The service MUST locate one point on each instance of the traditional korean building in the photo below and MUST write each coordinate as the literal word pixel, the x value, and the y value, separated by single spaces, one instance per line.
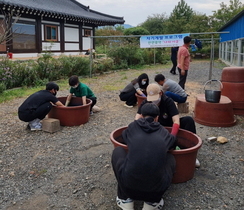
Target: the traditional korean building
pixel 61 26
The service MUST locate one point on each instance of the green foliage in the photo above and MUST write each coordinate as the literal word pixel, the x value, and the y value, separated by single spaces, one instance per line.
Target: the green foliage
pixel 155 24
pixel 70 65
pixel 198 23
pixel 103 65
pixel 221 16
pixel 46 68
pixel 179 18
pixel 130 54
pixel 136 31
pixel 2 87
pixel 107 31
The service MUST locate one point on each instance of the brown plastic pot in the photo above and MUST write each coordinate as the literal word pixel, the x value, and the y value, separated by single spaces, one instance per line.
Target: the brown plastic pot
pixel 185 158
pixel 214 114
pixel 235 92
pixel 140 99
pixel 232 74
pixel 73 115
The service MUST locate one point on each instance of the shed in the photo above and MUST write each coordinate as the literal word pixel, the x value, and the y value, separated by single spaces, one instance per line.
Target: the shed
pixel 231 48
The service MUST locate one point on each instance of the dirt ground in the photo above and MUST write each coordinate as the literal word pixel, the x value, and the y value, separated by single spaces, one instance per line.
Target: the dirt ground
pixel 71 169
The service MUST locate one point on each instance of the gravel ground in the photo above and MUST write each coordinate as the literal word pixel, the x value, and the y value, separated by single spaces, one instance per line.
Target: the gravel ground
pixel 71 169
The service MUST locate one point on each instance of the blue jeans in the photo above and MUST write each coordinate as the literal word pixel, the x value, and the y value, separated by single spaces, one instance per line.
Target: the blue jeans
pixel 175 97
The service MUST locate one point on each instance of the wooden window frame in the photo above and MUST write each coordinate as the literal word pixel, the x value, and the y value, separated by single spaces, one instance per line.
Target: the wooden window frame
pixel 87 32
pixel 51 26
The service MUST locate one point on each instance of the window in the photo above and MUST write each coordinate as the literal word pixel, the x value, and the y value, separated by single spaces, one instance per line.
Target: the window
pixel 51 33
pixel 24 36
pixel 87 32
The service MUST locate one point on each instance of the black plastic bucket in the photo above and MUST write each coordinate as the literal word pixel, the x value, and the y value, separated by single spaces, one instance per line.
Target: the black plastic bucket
pixel 213 96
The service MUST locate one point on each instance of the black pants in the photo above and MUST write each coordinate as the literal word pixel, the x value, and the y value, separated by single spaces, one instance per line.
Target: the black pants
pixel 187 123
pixel 129 97
pixel 182 78
pixel 118 158
pixel 40 113
pixel 94 101
pixel 174 66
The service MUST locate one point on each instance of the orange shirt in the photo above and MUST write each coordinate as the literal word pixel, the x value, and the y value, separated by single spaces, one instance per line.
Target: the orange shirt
pixel 183 52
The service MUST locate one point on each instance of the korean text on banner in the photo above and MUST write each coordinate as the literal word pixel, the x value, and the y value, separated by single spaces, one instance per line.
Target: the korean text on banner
pixel 155 41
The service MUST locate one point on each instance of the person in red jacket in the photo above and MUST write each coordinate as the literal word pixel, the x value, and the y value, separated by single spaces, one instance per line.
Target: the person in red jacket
pixel 144 172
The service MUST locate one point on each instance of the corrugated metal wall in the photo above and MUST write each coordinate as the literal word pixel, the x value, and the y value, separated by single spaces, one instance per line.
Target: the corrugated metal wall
pixel 236 30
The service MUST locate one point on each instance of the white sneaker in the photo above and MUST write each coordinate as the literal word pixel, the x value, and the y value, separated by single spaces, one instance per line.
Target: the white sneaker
pixel 127 204
pixel 197 164
pixel 153 206
pixel 37 127
pixel 128 106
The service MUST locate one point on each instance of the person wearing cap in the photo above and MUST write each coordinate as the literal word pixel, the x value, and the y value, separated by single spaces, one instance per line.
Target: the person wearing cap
pixel 138 85
pixel 38 105
pixel 169 114
pixel 80 90
pixel 145 171
pixel 171 88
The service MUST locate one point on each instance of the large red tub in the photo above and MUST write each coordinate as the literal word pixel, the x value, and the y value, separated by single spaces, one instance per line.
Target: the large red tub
pixel 73 115
pixel 185 158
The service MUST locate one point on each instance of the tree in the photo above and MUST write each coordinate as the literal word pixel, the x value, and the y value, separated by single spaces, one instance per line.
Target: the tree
pixel 155 24
pixel 107 31
pixel 6 25
pixel 179 18
pixel 198 23
pixel 221 16
pixel 136 31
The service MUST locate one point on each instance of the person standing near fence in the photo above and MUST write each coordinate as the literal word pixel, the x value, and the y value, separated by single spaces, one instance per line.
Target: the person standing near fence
pixel 174 51
pixel 183 61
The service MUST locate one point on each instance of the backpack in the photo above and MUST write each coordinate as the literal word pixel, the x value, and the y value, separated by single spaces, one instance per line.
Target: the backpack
pixel 198 43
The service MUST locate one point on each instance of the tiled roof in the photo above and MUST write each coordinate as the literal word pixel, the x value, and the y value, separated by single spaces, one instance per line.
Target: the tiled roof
pixel 65 8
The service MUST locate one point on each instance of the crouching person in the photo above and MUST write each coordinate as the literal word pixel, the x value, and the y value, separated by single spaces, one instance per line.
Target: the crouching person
pixel 38 105
pixel 144 172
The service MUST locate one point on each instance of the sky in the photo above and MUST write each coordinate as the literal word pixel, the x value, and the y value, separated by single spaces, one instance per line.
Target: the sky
pixel 136 12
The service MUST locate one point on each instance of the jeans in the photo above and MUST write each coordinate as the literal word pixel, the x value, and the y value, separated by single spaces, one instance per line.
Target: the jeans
pixel 175 97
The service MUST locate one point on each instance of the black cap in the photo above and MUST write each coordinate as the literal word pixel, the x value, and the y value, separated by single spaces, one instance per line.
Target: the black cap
pixel 52 85
pixel 150 109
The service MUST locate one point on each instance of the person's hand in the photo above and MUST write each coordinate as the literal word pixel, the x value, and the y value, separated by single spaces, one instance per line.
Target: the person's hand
pixel 143 95
pixel 182 72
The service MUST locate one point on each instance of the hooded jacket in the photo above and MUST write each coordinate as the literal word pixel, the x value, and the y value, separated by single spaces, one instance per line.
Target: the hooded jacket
pixel 148 144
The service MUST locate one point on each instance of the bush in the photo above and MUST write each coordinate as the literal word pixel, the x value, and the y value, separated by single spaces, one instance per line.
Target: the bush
pixel 70 65
pixel 103 65
pixel 2 87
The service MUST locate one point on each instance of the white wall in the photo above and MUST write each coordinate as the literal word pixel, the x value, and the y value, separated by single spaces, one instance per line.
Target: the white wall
pixel 71 46
pixel 87 43
pixel 48 46
pixel 71 34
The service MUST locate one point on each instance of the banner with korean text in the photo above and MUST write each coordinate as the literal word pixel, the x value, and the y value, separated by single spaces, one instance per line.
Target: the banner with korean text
pixel 155 41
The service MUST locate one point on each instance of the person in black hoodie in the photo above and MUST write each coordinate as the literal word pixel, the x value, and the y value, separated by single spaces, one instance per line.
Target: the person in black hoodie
pixel 146 170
